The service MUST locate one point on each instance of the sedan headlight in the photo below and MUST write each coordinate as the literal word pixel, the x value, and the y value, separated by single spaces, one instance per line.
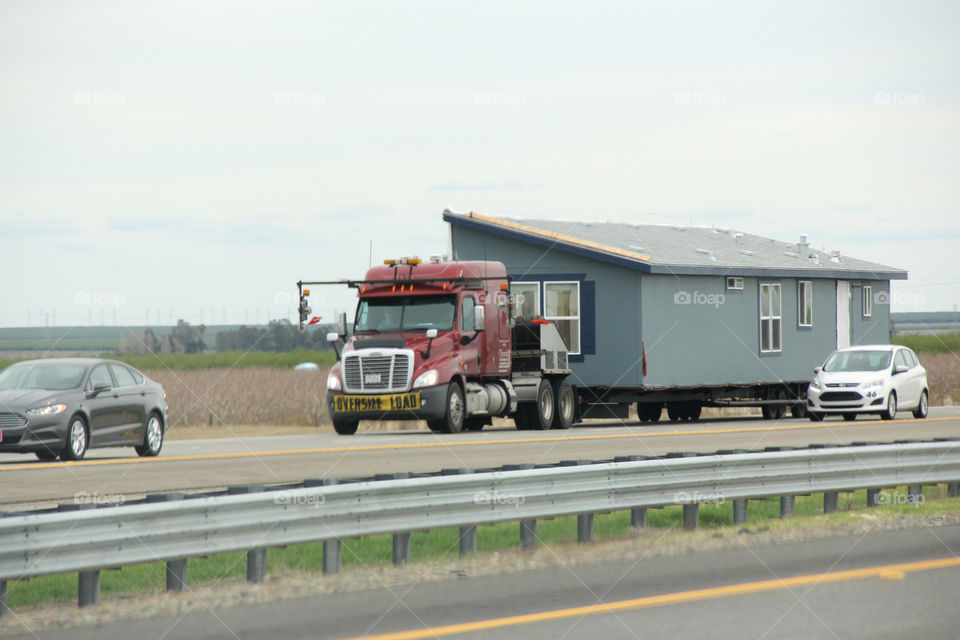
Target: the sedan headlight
pixel 426 379
pixel 49 410
pixel 333 381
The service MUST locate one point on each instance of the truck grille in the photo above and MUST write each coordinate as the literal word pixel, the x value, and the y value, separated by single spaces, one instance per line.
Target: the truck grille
pixel 839 396
pixel 380 370
pixel 10 420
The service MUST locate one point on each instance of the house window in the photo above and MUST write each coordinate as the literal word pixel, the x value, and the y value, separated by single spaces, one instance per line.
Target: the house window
pixel 867 301
pixel 734 283
pixel 805 303
pixel 770 317
pixel 526 299
pixel 562 302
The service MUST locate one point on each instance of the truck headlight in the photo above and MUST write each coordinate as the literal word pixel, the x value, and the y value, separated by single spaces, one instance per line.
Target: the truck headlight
pixel 426 379
pixel 333 381
pixel 50 410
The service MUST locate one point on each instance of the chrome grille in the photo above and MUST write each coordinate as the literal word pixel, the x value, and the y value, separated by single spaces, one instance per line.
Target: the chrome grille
pixel 10 420
pixel 380 370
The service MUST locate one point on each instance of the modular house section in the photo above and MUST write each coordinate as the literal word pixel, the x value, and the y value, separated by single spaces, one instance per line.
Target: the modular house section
pixel 693 306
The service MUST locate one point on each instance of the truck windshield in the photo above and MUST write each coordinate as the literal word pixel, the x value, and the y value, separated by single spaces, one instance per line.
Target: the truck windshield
pixel 410 313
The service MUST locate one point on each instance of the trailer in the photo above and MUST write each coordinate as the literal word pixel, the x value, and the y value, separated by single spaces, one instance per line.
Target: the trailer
pixel 438 341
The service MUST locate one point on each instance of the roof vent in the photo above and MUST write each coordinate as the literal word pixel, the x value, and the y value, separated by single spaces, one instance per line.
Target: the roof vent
pixel 814 258
pixel 636 247
pixel 746 252
pixel 708 253
pixel 803 245
pixel 835 256
pixel 436 258
pixel 791 254
pixel 736 235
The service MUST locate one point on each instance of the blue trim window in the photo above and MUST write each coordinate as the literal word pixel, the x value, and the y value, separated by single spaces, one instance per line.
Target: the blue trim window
pixel 562 307
pixel 526 299
pixel 805 303
pixel 867 301
pixel 770 317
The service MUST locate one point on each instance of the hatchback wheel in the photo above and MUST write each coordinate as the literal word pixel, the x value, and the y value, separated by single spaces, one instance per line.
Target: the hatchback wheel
pixel 849 417
pixel 77 440
pixel 922 406
pixel 891 411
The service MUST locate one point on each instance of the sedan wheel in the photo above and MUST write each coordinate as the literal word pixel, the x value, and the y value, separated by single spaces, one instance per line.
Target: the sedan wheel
pixel 77 440
pixel 152 439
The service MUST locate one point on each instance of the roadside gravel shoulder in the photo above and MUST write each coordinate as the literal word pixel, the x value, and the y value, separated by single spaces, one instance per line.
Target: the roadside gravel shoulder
pixel 289 584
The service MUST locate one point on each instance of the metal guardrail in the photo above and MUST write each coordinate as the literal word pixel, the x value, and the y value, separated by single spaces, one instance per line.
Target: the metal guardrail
pixel 94 539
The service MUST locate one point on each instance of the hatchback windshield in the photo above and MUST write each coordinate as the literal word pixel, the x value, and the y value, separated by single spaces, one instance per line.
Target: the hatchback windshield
pixel 385 315
pixel 858 361
pixel 52 377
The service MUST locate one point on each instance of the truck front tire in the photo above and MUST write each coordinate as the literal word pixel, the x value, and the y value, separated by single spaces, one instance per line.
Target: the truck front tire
pixel 454 413
pixel 346 427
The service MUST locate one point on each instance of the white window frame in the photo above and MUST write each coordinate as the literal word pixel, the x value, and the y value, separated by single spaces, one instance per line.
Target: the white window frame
pixel 578 317
pixel 536 298
pixel 867 301
pixel 737 283
pixel 768 319
pixel 804 286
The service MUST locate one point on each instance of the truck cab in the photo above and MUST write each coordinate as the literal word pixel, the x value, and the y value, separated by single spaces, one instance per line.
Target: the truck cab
pixel 430 341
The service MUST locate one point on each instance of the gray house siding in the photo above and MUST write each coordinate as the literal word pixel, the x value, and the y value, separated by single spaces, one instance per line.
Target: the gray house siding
pixel 695 331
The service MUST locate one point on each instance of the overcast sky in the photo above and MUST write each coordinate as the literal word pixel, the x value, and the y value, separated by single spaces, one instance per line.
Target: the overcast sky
pixel 167 157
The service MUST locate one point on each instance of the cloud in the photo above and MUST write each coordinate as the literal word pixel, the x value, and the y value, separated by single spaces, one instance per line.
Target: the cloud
pixel 485 186
pixel 864 207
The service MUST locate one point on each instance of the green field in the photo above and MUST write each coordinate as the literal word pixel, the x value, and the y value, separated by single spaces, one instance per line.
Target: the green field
pixel 442 544
pixel 939 343
pixel 215 360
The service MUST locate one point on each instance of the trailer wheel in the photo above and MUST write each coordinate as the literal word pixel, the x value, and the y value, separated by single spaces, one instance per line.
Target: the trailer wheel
pixel 692 411
pixel 649 411
pixel 799 410
pixel 346 427
pixel 566 404
pixel 674 412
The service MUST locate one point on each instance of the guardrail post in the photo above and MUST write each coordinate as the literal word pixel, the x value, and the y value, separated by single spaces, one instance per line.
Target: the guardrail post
pixel 786 506
pixel 691 516
pixel 831 501
pixel 528 533
pixel 739 511
pixel 256 558
pixel 332 549
pixel 638 518
pixel 176 571
pixel 914 494
pixel 468 540
pixel 88 582
pixel 585 527
pixel 873 497
pixel 3 597
pixel 401 548
pixel 953 489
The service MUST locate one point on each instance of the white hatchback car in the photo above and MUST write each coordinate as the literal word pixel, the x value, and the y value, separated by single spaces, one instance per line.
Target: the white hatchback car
pixel 881 379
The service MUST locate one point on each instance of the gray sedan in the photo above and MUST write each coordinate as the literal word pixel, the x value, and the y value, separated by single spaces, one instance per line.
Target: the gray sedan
pixel 64 406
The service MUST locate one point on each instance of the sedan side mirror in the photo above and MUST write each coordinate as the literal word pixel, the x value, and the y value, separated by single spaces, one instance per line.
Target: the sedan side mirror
pixel 100 387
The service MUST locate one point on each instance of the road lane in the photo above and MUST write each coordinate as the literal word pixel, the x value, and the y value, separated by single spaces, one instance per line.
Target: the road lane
pixel 204 464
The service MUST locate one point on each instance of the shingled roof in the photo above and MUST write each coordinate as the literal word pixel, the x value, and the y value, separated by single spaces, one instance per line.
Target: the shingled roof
pixel 674 249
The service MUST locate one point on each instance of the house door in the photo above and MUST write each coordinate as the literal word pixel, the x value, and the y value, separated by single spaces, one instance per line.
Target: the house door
pixel 843 314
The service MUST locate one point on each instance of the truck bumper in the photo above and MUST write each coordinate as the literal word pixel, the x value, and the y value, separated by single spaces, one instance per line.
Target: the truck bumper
pixel 346 406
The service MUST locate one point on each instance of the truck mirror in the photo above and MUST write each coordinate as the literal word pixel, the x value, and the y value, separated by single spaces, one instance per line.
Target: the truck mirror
pixel 342 323
pixel 333 336
pixel 432 333
pixel 478 318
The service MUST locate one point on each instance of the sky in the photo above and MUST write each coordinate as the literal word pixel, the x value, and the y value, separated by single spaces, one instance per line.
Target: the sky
pixel 195 160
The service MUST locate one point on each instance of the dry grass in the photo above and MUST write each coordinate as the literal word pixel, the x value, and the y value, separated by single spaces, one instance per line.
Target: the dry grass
pixel 943 377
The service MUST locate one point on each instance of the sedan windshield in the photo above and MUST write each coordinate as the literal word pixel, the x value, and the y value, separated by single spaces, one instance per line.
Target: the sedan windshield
pixel 52 377
pixel 858 361
pixel 410 313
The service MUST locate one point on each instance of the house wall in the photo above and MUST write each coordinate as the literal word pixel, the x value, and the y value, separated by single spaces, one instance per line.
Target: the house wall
pixel 694 330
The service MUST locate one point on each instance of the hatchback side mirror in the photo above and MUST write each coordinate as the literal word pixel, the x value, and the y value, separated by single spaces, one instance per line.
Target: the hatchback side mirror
pixel 816 369
pixel 897 369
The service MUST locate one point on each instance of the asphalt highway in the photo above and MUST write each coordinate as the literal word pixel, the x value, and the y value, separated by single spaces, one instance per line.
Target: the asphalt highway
pixel 190 465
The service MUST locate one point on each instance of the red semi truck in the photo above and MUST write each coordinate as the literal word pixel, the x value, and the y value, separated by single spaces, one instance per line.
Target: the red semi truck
pixel 437 341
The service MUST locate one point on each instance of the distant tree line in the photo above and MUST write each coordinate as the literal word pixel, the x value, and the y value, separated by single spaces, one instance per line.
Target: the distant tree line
pixel 279 335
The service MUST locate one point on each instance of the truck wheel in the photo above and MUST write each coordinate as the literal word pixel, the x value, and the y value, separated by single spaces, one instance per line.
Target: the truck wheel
pixel 346 427
pixel 565 406
pixel 649 411
pixel 474 424
pixel 798 410
pixel 543 411
pixel 767 411
pixel 693 411
pixel 453 419
pixel 674 412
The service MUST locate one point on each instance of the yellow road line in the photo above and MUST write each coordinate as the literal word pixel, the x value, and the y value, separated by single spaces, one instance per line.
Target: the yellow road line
pixel 458 443
pixel 672 598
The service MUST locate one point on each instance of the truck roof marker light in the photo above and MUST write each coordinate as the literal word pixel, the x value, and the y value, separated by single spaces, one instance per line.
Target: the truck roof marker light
pixel 444 286
pixel 389 263
pixel 414 261
pixel 401 287
pixel 394 288
pixel 504 287
pixel 363 289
